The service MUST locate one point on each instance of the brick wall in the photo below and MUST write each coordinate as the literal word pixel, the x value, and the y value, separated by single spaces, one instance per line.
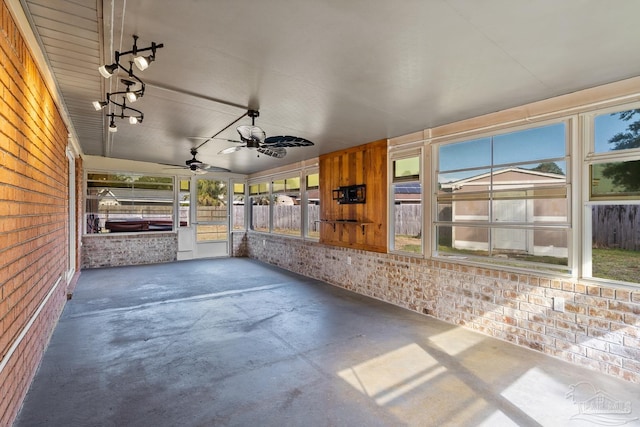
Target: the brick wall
pixel 110 250
pixel 33 216
pixel 600 327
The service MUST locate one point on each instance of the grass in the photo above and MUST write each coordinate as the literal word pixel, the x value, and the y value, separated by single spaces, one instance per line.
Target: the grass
pixel 408 244
pixel 616 264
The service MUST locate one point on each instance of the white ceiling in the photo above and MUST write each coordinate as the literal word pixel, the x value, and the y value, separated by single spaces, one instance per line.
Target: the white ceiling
pixel 339 73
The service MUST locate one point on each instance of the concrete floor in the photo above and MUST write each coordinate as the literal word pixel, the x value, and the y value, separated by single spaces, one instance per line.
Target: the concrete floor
pixel 234 342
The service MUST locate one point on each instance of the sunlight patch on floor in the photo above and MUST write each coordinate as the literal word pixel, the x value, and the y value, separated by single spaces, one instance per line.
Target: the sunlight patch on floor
pixel 392 374
pixel 540 396
pixel 456 340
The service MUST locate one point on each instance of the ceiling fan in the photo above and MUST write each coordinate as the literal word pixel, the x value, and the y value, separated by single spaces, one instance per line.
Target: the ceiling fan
pixel 198 167
pixel 253 137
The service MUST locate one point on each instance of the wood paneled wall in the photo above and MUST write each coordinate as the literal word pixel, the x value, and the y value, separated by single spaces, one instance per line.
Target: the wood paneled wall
pixel 365 164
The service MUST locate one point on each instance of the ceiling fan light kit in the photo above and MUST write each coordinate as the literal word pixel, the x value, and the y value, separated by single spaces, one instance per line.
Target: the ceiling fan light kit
pixel 134 85
pixel 253 137
pixel 198 167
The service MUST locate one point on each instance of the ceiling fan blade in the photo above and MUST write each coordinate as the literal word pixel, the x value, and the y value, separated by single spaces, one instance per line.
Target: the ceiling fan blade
pixel 251 133
pixel 211 168
pixel 277 152
pixel 287 141
pixel 230 150
pixel 229 140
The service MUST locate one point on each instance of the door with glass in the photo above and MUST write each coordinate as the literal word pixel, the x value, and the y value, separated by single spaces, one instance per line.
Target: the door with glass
pixel 210 217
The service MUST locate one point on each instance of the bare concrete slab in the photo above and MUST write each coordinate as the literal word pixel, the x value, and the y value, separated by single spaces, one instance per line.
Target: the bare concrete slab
pixel 234 342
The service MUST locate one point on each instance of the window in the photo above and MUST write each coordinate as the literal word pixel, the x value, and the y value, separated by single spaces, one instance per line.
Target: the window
pixel 211 213
pixel 238 206
pixel 285 195
pixel 312 199
pixel 128 203
pixel 612 208
pixel 505 198
pixel 259 199
pixel 406 221
pixel 288 205
pixel 184 201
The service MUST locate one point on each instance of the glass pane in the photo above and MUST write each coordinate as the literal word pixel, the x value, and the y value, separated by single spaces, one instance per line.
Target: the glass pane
pixel 463 240
pixel 555 171
pixel 313 214
pixel 616 242
pixel 465 155
pixel 313 180
pixel 238 216
pixel 212 201
pixel 238 189
pixel 261 188
pixel 406 168
pixel 469 180
pixel 278 186
pixel 128 203
pixel 208 232
pixel 506 246
pixel 617 131
pixel 260 213
pixel 408 217
pixel 546 142
pixel 184 200
pixel 618 180
pixel 292 183
pixel 237 210
pixel 287 216
pixel 211 211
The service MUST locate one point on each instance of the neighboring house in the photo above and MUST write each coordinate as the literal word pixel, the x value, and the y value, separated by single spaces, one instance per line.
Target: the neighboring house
pixel 408 192
pixel 520 197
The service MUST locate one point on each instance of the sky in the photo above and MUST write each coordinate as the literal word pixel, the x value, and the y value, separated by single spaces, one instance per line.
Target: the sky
pixel 606 126
pixel 530 145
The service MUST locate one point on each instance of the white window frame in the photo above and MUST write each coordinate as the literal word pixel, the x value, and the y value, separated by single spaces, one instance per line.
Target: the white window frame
pixel 587 158
pixel 400 154
pixel 569 122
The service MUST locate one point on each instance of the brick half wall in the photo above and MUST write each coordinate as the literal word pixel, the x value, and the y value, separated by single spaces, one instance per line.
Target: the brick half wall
pixel 600 327
pixel 112 250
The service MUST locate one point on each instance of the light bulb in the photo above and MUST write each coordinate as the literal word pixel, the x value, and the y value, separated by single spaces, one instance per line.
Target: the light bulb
pixel 142 62
pixel 107 70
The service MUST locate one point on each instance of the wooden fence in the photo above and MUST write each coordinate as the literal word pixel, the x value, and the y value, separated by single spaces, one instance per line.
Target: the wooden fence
pixel 408 220
pixel 616 226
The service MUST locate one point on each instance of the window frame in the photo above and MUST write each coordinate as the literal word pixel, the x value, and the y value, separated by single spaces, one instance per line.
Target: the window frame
pixel 404 153
pixel 266 193
pixel 305 173
pixel 94 171
pixel 275 192
pixel 566 225
pixel 294 173
pixel 587 202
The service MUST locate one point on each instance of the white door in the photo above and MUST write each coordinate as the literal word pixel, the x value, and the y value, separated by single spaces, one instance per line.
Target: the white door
pixel 511 239
pixel 205 233
pixel 211 220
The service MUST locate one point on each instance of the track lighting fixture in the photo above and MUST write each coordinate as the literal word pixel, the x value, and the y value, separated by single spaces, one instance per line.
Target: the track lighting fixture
pixel 134 86
pixel 107 70
pixel 142 62
pixel 99 105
